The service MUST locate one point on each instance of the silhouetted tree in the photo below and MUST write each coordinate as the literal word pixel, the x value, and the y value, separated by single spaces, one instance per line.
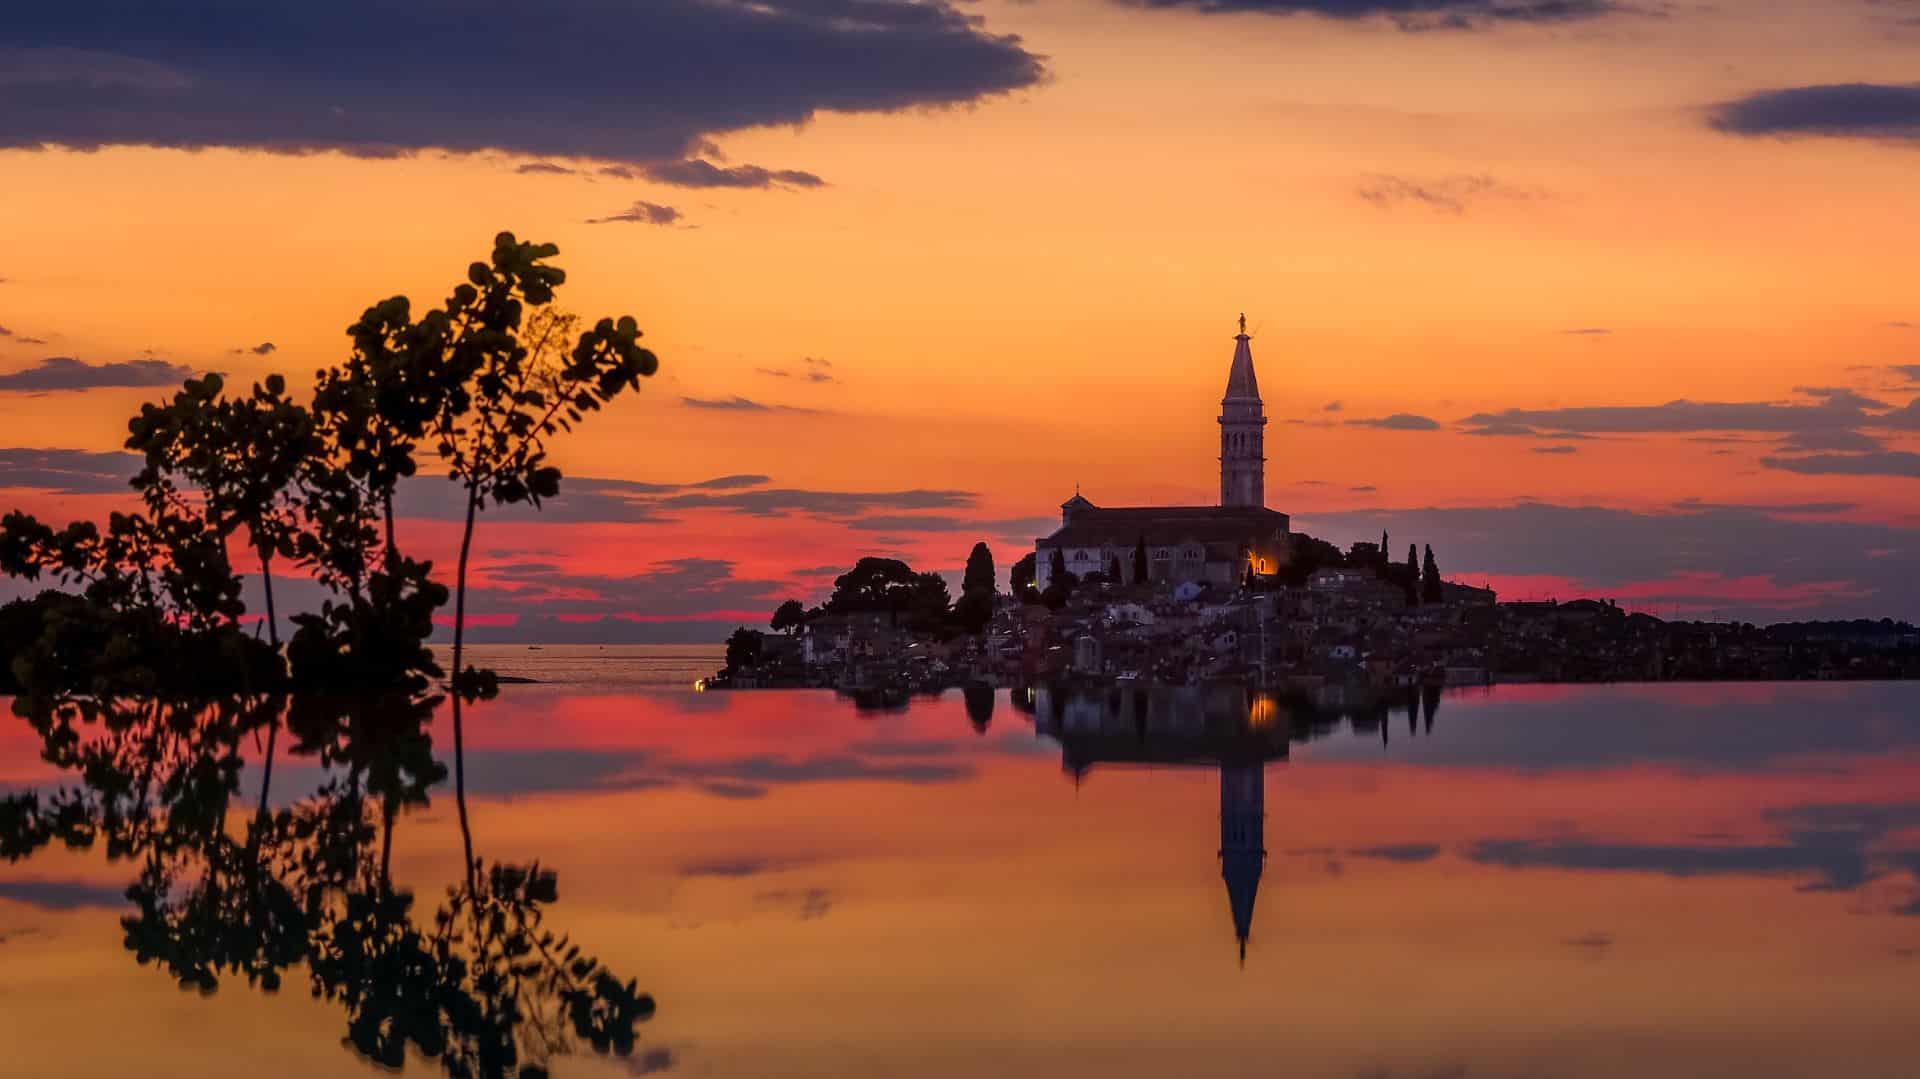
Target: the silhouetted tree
pixel 979 702
pixel 1412 579
pixel 980 576
pixel 788 617
pixel 243 455
pixel 743 649
pixel 1060 583
pixel 873 584
pixel 1140 560
pixel 1113 571
pixel 516 380
pixel 978 587
pixel 1431 588
pixel 1020 579
pixel 973 611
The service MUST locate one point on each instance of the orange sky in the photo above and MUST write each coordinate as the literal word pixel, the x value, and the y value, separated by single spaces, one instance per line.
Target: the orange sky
pixel 1037 289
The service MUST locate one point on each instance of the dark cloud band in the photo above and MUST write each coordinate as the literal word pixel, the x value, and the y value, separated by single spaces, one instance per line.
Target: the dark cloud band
pixel 1410 14
pixel 634 82
pixel 1849 110
pixel 60 373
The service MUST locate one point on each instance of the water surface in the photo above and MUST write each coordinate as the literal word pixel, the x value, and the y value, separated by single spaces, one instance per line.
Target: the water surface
pixel 1528 881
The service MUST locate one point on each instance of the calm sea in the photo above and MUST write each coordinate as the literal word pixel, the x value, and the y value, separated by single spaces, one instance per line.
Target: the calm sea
pixel 1529 881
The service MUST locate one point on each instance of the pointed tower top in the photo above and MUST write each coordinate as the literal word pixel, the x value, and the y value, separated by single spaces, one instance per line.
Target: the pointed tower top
pixel 1241 383
pixel 1242 872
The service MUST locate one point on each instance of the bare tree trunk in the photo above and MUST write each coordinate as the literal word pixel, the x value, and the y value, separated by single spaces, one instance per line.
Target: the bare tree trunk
pixel 393 552
pixel 459 640
pixel 273 721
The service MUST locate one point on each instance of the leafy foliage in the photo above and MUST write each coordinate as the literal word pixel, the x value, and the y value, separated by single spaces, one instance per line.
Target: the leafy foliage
pixel 788 617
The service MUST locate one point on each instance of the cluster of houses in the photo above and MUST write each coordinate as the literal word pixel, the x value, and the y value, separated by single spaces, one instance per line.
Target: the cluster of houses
pixel 1345 633
pixel 1187 595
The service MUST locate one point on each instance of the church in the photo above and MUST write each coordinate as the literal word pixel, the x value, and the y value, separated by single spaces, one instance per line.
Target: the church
pixel 1215 545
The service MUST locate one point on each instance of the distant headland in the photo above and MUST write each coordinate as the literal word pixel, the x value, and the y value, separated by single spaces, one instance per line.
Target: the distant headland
pixel 1186 594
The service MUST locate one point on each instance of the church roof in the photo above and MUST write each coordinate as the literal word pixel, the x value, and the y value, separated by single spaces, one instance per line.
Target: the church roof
pixel 1241 383
pixel 1166 525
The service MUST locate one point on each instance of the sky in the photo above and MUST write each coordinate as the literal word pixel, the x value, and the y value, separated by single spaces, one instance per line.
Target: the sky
pixel 1596 297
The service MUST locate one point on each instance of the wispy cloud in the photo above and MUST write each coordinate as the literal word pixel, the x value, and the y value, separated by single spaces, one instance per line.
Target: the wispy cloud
pixel 641 212
pixel 1399 421
pixel 64 373
pixel 694 172
pixel 811 369
pixel 67 472
pixel 1445 194
pixel 737 403
pixel 1897 463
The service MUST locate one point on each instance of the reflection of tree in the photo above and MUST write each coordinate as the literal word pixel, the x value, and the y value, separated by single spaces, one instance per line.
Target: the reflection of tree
pixel 483 985
pixel 979 701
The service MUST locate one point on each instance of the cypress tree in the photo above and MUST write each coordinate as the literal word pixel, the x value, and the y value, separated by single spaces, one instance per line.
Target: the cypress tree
pixel 1412 581
pixel 1140 561
pixel 1431 590
pixel 980 575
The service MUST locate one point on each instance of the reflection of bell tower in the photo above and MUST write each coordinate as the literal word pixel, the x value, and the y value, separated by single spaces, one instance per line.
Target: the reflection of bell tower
pixel 1243 850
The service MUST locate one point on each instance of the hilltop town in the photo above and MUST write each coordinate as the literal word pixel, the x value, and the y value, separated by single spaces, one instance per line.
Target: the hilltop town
pixel 1187 594
pixel 1350 630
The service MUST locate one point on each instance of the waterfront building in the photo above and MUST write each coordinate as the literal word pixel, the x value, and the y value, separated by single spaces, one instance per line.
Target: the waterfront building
pixel 1186 544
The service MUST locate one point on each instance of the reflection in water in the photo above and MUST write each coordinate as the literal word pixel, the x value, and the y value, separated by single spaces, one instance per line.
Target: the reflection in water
pixel 1230 728
pixel 1578 882
pixel 482 985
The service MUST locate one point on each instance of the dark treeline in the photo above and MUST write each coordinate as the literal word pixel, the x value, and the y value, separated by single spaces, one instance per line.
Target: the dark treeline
pixel 921 602
pixel 145 675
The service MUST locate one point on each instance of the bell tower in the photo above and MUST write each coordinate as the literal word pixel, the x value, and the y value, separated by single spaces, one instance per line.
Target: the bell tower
pixel 1243 421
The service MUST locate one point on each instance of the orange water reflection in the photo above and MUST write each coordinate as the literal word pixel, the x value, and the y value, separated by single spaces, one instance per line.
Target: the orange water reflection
pixel 1575 882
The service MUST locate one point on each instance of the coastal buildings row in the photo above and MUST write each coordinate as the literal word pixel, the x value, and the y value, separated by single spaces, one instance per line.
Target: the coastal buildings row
pixel 1189 594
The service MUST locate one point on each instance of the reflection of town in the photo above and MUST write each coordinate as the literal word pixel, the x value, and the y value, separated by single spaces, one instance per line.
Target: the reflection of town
pixel 1230 728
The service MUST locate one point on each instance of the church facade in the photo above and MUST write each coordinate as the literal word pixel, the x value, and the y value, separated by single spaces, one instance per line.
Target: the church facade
pixel 1200 544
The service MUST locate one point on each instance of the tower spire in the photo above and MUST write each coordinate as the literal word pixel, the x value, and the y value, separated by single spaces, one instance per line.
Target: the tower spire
pixel 1243 478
